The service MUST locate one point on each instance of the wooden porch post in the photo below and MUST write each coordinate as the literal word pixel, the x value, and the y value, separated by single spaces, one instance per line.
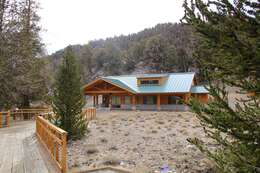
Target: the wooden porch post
pixel 94 101
pixel 133 102
pixel 110 101
pixel 158 102
pixel 97 101
pixel 186 97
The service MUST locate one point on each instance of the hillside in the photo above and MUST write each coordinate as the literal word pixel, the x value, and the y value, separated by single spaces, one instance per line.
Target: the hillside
pixel 164 48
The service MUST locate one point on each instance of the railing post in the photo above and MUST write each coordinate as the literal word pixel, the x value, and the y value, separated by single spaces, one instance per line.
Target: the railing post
pixel 57 151
pixel 64 153
pixel 8 118
pixel 37 126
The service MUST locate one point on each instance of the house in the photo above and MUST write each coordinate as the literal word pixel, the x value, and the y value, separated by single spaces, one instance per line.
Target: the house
pixel 169 91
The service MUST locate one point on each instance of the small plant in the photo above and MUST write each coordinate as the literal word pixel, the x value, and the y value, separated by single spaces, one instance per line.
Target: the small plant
pixel 127 134
pixel 113 148
pixel 75 165
pixel 154 131
pixel 103 140
pixel 179 115
pixel 91 149
pixel 111 160
pixel 160 122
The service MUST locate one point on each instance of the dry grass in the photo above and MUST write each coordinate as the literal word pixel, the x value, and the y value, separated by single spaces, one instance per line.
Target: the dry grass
pixel 135 139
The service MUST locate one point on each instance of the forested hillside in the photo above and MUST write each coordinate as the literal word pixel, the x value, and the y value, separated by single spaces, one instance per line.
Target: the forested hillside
pixel 164 48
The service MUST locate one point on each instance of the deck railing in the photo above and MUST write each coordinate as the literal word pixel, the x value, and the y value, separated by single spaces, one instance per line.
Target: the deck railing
pixel 27 114
pixel 89 113
pixel 4 119
pixel 55 141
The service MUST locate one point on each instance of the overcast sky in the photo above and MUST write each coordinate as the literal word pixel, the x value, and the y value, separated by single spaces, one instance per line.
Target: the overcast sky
pixel 79 21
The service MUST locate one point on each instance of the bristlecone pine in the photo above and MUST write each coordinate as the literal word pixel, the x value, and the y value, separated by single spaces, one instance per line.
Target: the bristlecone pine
pixel 229 56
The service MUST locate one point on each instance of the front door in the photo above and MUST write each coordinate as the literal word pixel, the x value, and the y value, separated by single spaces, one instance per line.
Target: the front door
pixel 105 101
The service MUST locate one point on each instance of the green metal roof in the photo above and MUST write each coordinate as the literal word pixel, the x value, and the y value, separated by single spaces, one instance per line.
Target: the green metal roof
pixel 199 89
pixel 175 83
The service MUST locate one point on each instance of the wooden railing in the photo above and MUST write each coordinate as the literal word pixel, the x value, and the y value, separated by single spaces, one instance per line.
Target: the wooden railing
pixel 89 113
pixel 4 119
pixel 55 141
pixel 27 114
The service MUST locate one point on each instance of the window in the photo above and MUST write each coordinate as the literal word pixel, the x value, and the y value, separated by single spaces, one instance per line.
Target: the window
pixel 127 100
pixel 149 82
pixel 149 100
pixel 116 100
pixel 173 100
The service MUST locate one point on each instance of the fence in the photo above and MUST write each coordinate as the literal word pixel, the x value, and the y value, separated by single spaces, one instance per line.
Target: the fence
pixel 5 119
pixel 55 141
pixel 89 113
pixel 27 114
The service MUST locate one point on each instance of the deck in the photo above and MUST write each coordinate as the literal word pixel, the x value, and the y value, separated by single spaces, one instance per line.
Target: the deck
pixel 21 152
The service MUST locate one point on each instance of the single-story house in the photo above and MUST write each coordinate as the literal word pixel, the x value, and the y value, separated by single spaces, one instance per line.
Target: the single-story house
pixel 168 91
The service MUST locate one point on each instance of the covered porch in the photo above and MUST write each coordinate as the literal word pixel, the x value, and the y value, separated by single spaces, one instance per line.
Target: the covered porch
pixel 109 95
pixel 160 102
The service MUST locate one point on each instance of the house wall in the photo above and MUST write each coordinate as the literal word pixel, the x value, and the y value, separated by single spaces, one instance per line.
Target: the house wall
pixel 140 98
pixel 202 97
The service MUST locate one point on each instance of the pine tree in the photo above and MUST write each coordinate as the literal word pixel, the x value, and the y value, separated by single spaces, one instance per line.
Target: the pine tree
pixel 68 99
pixel 21 74
pixel 229 56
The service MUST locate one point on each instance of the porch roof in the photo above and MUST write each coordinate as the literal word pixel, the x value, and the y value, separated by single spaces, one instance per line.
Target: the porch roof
pixel 175 83
pixel 199 90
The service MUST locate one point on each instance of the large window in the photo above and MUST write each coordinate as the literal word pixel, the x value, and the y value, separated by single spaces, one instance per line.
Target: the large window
pixel 149 100
pixel 149 82
pixel 116 100
pixel 174 100
pixel 127 100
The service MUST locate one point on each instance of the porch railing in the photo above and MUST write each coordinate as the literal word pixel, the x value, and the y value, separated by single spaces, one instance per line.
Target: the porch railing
pixel 89 113
pixel 4 119
pixel 54 140
pixel 164 107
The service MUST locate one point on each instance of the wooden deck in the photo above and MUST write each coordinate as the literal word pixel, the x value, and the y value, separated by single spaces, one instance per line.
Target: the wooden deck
pixel 21 152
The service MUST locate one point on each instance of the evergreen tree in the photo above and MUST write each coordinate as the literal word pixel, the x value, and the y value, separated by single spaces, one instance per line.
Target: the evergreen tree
pixel 158 54
pixel 68 99
pixel 229 55
pixel 20 45
pixel 86 60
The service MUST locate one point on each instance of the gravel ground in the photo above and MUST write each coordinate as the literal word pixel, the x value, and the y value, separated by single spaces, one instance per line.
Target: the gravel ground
pixel 140 140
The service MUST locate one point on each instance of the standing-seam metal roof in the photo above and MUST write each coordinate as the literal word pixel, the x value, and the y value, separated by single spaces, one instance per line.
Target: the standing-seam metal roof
pixel 199 89
pixel 175 83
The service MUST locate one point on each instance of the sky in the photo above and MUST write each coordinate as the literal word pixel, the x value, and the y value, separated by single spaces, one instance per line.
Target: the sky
pixel 66 22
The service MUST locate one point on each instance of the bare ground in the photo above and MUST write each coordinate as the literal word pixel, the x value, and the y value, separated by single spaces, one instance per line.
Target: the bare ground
pixel 141 139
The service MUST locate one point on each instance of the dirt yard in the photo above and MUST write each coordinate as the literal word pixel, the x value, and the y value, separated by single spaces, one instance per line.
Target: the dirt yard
pixel 141 140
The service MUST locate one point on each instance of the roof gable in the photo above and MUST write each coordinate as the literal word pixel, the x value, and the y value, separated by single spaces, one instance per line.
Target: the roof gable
pixel 105 86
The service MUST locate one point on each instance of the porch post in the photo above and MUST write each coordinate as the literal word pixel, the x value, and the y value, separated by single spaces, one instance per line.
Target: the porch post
pixel 97 101
pixel 94 101
pixel 110 101
pixel 158 102
pixel 133 102
pixel 186 97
